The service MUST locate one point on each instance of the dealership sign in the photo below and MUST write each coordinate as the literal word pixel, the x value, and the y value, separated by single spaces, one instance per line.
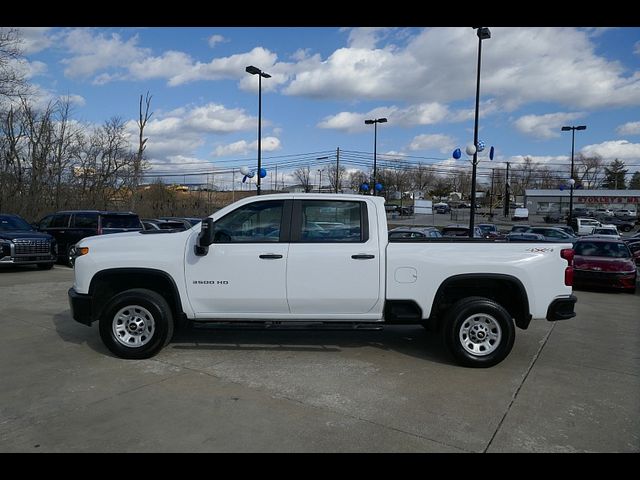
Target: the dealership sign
pixel 603 199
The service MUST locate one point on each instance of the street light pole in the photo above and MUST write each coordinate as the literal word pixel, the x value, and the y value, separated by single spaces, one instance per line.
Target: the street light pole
pixel 256 71
pixel 572 181
pixel 483 34
pixel 375 123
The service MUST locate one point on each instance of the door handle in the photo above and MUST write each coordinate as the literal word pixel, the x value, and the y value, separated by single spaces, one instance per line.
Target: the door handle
pixel 270 256
pixel 362 256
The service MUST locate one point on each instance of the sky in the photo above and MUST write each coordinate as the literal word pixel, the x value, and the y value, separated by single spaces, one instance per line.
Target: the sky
pixel 326 81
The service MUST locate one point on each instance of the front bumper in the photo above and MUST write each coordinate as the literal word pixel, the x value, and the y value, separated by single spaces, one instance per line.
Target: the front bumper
pixel 27 259
pixel 562 308
pixel 80 307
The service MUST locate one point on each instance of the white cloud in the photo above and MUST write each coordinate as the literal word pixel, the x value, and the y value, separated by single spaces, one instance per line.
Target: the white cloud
pixel 215 39
pixel 366 37
pixel 93 53
pixel 34 39
pixel 242 147
pixel 429 113
pixel 438 65
pixel 441 142
pixel 545 126
pixel 612 149
pixel 629 128
pixel 636 48
pixel 184 130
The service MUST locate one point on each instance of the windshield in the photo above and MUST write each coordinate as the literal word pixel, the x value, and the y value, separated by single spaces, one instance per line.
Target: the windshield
pixel 13 223
pixel 602 249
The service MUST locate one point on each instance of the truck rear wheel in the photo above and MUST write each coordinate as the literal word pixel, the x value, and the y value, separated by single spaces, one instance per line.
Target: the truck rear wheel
pixel 136 324
pixel 478 332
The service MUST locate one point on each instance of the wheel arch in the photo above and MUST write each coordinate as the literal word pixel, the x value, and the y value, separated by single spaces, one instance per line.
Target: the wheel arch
pixel 107 283
pixel 504 289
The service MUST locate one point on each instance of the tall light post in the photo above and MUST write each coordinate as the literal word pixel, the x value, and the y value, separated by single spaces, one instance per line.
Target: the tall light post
pixel 375 123
pixel 483 34
pixel 256 71
pixel 572 180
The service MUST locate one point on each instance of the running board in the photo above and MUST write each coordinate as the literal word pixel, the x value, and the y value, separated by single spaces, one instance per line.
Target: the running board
pixel 275 325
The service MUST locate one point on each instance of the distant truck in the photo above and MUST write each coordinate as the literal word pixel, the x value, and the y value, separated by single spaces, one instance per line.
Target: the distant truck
pixel 320 259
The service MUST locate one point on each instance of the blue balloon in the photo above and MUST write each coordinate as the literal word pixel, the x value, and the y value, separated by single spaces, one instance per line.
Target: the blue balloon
pixel 480 146
pixel 491 152
pixel 263 173
pixel 457 153
pixel 561 187
pixel 364 187
pixel 244 179
pixel 379 187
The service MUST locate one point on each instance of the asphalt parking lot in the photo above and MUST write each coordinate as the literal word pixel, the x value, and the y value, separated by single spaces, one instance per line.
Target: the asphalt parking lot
pixel 571 386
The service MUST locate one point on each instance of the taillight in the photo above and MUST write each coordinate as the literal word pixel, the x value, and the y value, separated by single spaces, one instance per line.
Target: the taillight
pixel 568 254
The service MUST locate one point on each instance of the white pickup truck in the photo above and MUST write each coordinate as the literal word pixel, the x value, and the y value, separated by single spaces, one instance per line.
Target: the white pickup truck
pixel 316 258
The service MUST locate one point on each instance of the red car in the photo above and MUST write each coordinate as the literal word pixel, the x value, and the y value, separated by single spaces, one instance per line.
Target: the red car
pixel 604 262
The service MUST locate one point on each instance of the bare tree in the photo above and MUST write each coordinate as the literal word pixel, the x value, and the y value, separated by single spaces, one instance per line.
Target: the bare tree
pixel 589 170
pixel 303 175
pixel 12 79
pixel 335 176
pixel 144 116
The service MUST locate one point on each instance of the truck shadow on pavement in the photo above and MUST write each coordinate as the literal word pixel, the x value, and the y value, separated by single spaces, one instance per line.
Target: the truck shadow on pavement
pixel 409 340
pixel 412 341
pixel 73 332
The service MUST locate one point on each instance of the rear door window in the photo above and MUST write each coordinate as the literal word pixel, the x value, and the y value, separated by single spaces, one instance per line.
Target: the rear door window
pixel 85 220
pixel 121 221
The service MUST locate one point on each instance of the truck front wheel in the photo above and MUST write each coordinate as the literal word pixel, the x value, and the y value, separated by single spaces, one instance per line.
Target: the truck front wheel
pixel 136 324
pixel 478 332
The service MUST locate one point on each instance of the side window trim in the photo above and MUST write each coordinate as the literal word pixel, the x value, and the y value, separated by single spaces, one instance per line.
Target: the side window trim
pixel 296 221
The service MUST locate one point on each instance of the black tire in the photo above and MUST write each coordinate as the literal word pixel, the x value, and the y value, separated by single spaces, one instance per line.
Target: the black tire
pixel 151 314
pixel 44 266
pixel 469 328
pixel 71 256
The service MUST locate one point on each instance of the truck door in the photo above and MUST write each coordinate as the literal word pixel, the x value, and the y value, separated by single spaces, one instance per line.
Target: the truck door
pixel 334 260
pixel 244 272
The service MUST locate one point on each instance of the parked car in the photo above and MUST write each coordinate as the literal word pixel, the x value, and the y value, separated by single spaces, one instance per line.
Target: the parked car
pixel 603 212
pixel 414 232
pixel 524 237
pixel 520 228
pixel 607 230
pixel 520 214
pixel 188 221
pixel 621 223
pixel 442 208
pixel 601 261
pixel 461 231
pixel 20 244
pixel 489 230
pixel 566 228
pixel 554 217
pixel 552 234
pixel 158 224
pixel 584 226
pixel 626 213
pixel 582 212
pixel 70 226
pixel 634 248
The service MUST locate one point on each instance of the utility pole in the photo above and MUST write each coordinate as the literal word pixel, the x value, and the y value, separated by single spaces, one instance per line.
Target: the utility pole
pixel 491 197
pixel 275 189
pixel 337 168
pixel 233 185
pixel 507 197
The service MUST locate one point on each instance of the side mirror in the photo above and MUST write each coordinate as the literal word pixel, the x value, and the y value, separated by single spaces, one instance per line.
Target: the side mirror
pixel 205 238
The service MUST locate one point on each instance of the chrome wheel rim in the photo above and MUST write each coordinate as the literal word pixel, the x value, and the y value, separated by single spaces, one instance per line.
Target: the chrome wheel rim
pixel 480 334
pixel 133 326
